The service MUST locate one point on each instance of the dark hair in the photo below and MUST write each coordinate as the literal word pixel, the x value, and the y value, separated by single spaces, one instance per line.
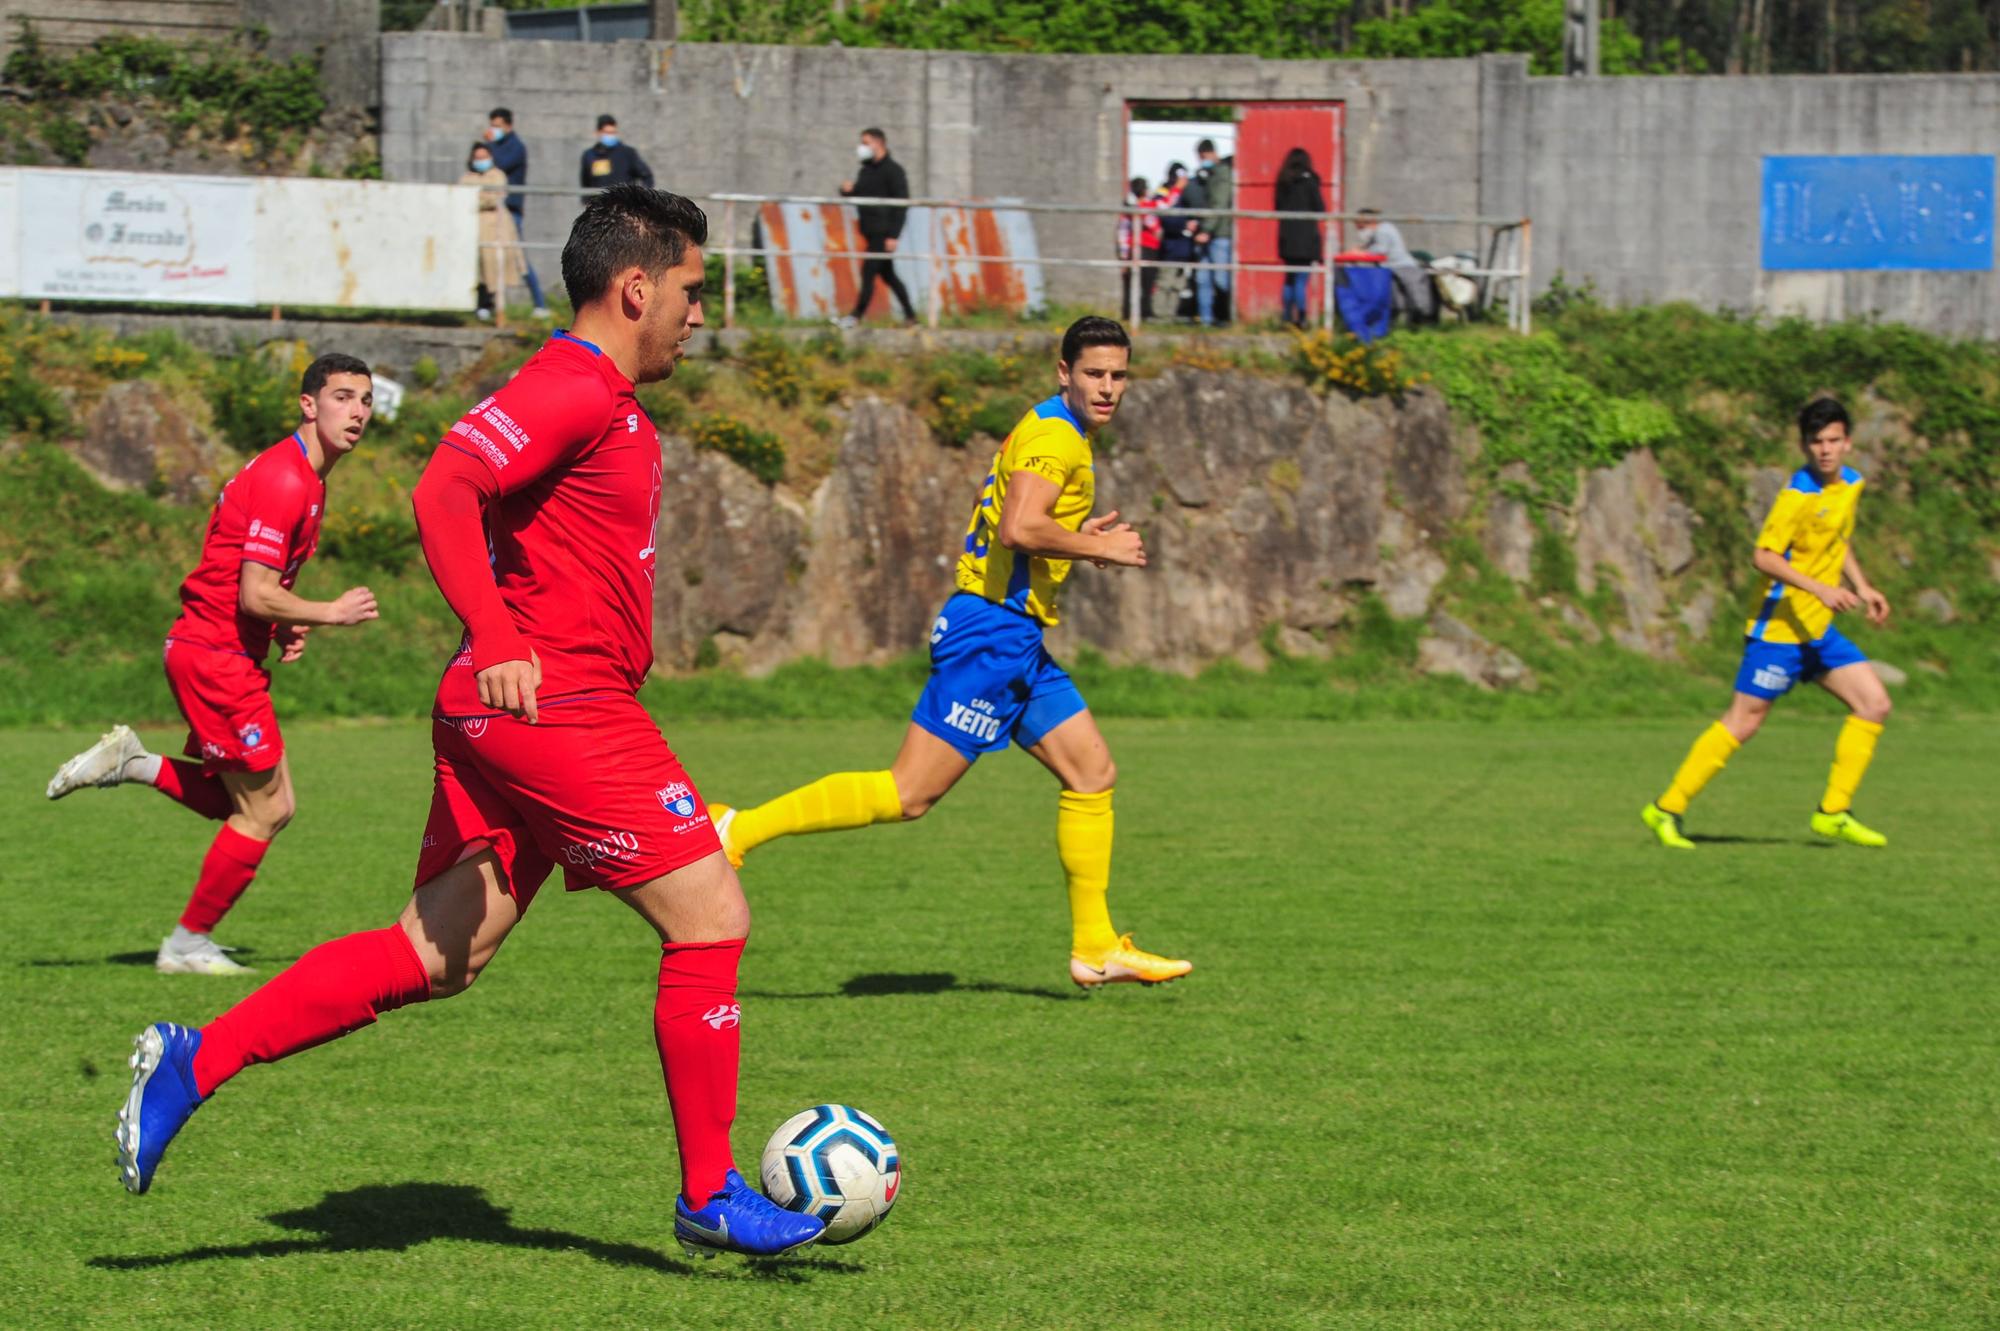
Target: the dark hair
pixel 478 145
pixel 1093 330
pixel 1819 413
pixel 1369 212
pixel 1298 165
pixel 1205 146
pixel 607 119
pixel 323 369
pixel 628 226
pixel 1174 172
pixel 501 113
pixel 1137 184
pixel 873 133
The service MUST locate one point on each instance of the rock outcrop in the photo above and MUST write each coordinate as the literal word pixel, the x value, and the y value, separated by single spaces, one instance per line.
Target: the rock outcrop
pixel 141 437
pixel 1635 531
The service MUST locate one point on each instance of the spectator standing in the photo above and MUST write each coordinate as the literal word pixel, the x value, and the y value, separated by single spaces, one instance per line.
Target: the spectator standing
pixel 1176 234
pixel 510 158
pixel 1138 195
pixel 880 177
pixel 1413 283
pixel 1216 236
pixel 1299 240
pixel 501 259
pixel 611 161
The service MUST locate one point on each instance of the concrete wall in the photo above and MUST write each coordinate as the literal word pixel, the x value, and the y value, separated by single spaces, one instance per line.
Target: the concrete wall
pixel 1651 187
pixel 715 118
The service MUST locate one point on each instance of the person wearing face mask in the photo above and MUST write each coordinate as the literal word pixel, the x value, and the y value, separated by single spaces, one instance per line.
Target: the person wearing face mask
pixel 510 159
pixel 880 177
pixel 611 161
pixel 502 262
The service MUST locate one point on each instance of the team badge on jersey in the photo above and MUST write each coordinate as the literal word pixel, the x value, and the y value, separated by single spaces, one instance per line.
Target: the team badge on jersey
pixel 676 798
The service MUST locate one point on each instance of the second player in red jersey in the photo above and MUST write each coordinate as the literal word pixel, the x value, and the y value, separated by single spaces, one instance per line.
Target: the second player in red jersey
pixel 537 517
pixel 236 602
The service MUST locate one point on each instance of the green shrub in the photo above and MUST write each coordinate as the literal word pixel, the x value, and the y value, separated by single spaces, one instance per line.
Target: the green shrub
pixel 384 540
pixel 756 451
pixel 253 402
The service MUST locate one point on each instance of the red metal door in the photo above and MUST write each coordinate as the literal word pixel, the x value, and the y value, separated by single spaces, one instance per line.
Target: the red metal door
pixel 1265 132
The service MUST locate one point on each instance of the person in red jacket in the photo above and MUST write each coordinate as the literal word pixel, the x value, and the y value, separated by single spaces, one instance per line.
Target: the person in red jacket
pixel 537 515
pixel 239 598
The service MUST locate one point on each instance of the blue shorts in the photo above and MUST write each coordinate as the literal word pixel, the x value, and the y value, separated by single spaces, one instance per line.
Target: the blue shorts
pixel 1770 669
pixel 992 680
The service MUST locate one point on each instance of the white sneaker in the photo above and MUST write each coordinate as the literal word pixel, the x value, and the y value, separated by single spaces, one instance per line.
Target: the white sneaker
pixel 204 958
pixel 102 764
pixel 847 321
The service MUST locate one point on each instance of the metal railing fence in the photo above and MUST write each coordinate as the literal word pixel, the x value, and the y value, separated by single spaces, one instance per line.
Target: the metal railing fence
pixel 1502 269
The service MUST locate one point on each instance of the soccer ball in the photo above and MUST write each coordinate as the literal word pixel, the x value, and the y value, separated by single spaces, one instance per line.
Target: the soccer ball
pixel 834 1162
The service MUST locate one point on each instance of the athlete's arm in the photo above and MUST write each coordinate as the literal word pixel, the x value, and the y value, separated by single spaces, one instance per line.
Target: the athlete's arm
pixel 1028 527
pixel 450 502
pixel 1772 564
pixel 1876 604
pixel 262 595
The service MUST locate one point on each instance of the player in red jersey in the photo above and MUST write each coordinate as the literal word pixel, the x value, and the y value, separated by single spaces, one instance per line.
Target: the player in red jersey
pixel 264 527
pixel 545 757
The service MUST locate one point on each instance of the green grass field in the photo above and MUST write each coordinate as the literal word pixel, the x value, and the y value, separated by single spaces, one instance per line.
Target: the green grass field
pixel 1463 1049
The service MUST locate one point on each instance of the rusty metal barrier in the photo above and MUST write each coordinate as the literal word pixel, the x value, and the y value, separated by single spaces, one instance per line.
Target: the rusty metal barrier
pixel 983 254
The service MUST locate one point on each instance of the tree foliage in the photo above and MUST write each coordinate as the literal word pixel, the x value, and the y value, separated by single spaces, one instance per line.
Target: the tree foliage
pixel 1691 36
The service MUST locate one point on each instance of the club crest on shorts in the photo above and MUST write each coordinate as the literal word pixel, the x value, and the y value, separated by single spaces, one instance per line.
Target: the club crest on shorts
pixel 252 735
pixel 676 798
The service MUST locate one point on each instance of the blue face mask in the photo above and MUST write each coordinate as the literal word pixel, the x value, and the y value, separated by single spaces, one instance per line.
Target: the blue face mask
pixel 498 134
pixel 482 164
pixel 608 140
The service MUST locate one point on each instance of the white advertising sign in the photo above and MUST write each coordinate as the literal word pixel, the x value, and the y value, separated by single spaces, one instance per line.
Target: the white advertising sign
pixel 10 233
pixel 100 235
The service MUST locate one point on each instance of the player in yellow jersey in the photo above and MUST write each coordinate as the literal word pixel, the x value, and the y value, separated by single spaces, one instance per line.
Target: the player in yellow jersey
pixel 1805 549
pixel 992 679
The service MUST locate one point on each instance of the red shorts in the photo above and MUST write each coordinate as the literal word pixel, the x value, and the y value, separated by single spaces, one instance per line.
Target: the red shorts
pixel 226 698
pixel 593 787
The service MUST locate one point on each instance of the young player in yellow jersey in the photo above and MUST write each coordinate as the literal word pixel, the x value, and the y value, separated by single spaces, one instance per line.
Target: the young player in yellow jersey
pixel 992 679
pixel 1805 550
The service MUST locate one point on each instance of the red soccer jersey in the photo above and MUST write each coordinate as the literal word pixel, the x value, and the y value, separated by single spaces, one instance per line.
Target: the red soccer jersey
pixel 577 462
pixel 268 513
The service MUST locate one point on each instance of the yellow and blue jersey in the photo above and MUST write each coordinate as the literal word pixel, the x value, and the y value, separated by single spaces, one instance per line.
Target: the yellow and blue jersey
pixel 1810 524
pixel 1050 442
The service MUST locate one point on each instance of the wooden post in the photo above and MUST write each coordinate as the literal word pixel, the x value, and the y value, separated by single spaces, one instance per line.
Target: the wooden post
pixel 666 20
pixel 500 292
pixel 935 242
pixel 1135 300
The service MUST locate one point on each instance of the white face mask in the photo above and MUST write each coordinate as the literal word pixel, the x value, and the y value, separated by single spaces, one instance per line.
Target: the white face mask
pixel 864 152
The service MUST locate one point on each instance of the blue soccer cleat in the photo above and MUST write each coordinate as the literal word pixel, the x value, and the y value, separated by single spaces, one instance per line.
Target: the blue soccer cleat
pixel 742 1219
pixel 163 1099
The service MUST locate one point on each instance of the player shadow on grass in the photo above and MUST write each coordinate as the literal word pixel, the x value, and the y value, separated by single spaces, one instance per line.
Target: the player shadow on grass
pixel 880 984
pixel 1710 839
pixel 244 954
pixel 397 1216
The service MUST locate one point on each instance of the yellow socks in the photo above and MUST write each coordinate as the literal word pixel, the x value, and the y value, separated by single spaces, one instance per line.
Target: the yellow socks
pixel 1708 756
pixel 1083 841
pixel 1851 753
pixel 832 803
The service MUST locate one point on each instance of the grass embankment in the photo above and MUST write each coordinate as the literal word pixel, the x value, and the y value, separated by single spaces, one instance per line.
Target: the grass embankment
pixel 87 577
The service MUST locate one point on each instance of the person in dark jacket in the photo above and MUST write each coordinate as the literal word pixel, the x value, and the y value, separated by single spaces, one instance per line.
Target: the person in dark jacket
pixel 1299 241
pixel 510 158
pixel 880 177
pixel 610 161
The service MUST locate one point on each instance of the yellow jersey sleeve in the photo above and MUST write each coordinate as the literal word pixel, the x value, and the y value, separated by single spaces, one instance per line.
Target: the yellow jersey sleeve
pixel 1048 443
pixel 1783 520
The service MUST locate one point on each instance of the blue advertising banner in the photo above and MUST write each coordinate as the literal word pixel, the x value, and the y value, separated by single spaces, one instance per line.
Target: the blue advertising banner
pixel 1878 212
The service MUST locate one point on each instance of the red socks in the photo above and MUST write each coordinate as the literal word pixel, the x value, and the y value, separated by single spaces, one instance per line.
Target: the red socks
pixel 185 783
pixel 226 870
pixel 695 1022
pixel 337 987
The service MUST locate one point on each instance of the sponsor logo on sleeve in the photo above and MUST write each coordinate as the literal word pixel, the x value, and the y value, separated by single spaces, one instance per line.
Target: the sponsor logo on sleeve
pixel 479 439
pixel 503 425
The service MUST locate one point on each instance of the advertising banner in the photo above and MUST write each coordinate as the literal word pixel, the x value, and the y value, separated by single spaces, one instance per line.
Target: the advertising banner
pixel 100 235
pixel 1879 213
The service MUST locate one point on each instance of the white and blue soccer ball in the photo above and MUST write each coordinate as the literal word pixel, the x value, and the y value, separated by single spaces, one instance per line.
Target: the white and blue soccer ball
pixel 834 1162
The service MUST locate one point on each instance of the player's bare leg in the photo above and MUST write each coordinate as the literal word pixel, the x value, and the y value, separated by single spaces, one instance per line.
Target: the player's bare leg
pixel 262 804
pixel 449 931
pixel 1868 709
pixel 925 770
pixel 702 919
pixel 1076 753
